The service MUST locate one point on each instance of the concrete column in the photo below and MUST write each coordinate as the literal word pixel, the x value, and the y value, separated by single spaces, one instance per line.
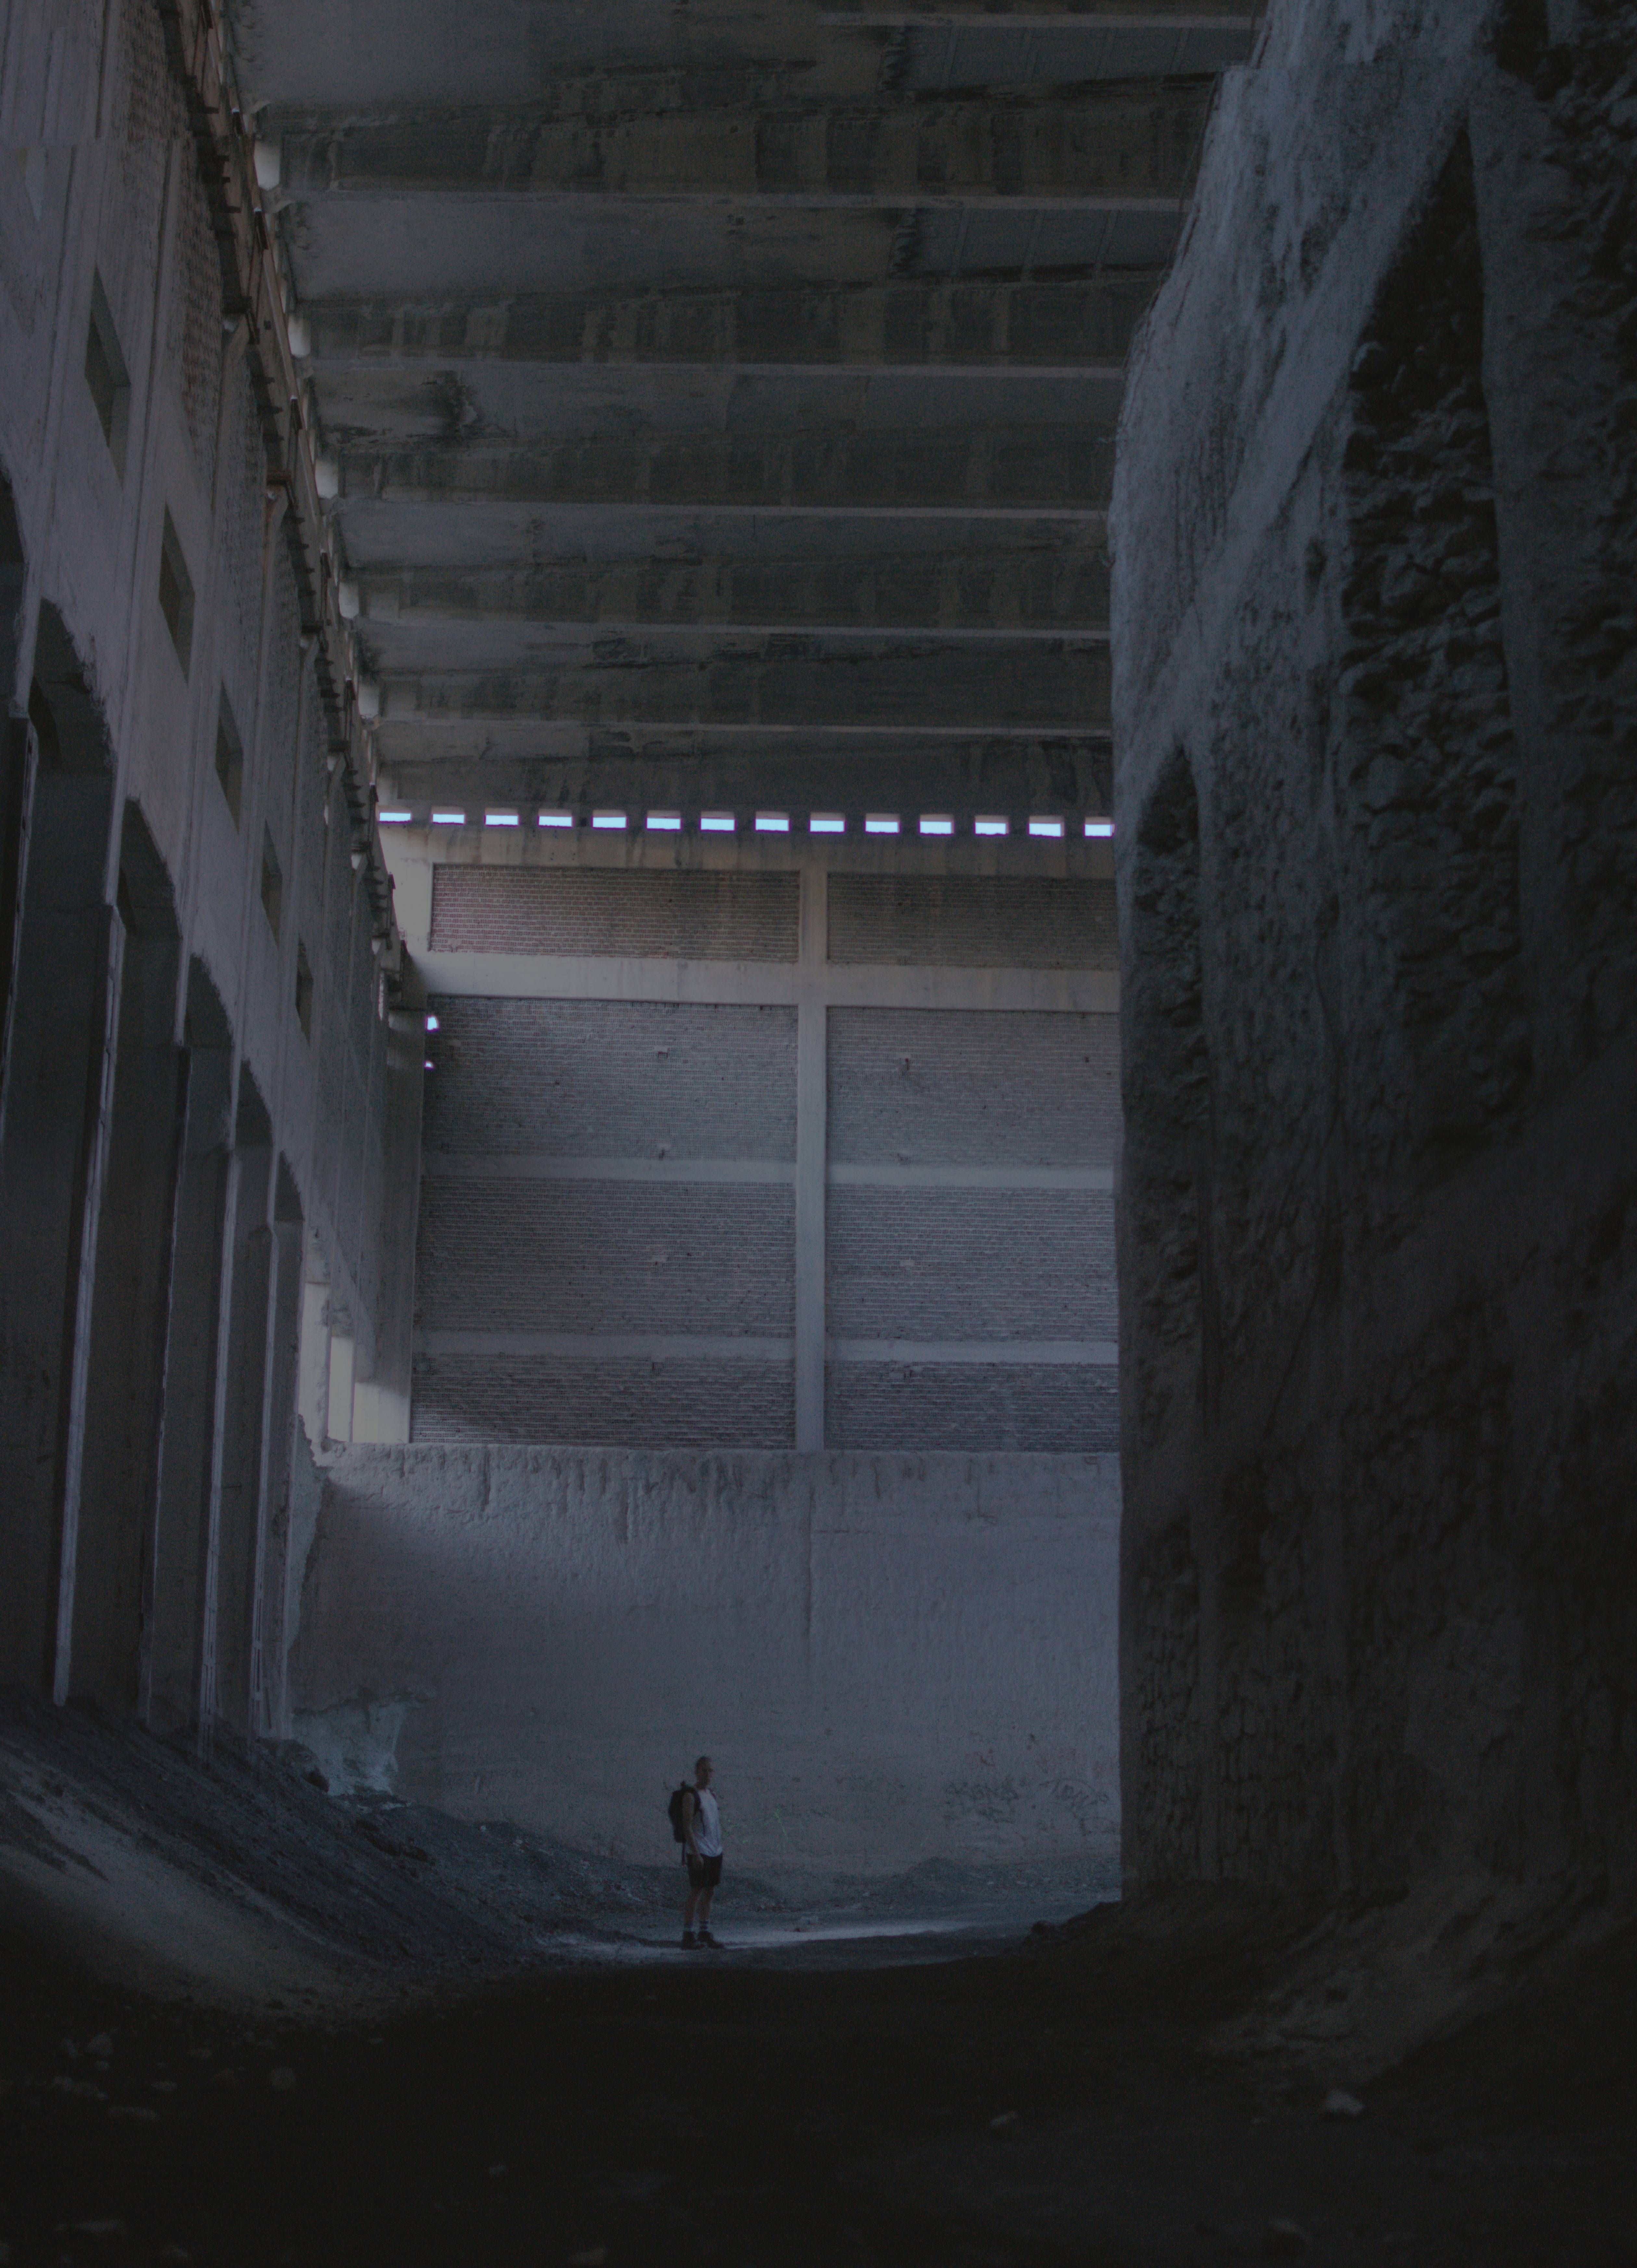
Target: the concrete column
pixel 269 1584
pixel 312 1389
pixel 812 1102
pixel 16 801
pixel 58 1045
pixel 338 1412
pixel 129 1298
pixel 240 1412
pixel 171 1671
pixel 87 1221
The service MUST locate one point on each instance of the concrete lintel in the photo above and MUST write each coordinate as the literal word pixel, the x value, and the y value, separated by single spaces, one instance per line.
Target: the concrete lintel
pixel 464 1165
pixel 1092 1354
pixel 563 976
pixel 605 1346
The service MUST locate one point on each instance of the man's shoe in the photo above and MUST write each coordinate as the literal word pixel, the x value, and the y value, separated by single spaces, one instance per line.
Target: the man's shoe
pixel 689 1941
pixel 706 1937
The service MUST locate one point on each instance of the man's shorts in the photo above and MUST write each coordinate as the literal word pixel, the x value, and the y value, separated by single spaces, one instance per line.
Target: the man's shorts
pixel 704 1873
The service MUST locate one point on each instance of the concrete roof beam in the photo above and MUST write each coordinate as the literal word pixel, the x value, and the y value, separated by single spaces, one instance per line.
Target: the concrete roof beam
pixel 983 591
pixel 1019 465
pixel 1101 140
pixel 792 682
pixel 990 320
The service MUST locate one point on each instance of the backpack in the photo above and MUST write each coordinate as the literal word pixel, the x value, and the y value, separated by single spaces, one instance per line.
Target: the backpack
pixel 674 1811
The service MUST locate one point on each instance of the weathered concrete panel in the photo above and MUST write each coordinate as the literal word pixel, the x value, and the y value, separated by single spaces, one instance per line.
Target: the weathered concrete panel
pixel 889 1658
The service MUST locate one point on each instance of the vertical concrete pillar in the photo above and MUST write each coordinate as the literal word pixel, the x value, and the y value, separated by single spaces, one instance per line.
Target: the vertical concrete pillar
pixel 65 995
pixel 812 1102
pixel 175 1583
pixel 381 1402
pixel 240 1410
pixel 270 1573
pixel 21 751
pixel 102 1591
pixel 313 1390
pixel 338 1405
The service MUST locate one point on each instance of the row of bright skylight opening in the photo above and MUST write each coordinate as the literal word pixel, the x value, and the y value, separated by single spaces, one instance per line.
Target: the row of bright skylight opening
pixel 1049 826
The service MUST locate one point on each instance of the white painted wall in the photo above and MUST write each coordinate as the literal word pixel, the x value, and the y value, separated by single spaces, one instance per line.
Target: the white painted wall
pixel 890 1658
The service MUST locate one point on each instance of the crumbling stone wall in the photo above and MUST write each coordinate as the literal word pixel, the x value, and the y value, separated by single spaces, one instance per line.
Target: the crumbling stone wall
pixel 1373 525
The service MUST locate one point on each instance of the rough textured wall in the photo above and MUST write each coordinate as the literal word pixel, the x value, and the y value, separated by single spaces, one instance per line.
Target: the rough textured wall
pixel 890 1658
pixel 1376 693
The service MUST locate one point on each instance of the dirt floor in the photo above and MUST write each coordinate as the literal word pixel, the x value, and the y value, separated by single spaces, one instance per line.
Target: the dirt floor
pixel 1147 2085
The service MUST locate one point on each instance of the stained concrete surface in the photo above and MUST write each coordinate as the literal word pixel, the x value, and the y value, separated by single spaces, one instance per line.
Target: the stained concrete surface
pixel 892 1658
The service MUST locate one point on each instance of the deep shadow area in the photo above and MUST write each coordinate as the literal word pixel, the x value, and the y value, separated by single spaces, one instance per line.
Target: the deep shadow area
pixel 1065 2100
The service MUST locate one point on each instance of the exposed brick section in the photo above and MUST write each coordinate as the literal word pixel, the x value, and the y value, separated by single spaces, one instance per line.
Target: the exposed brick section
pixel 646 916
pixel 606 1257
pixel 972 921
pixel 970 1264
pixel 599 1079
pixel 969 1406
pixel 659 1405
pixel 946 1087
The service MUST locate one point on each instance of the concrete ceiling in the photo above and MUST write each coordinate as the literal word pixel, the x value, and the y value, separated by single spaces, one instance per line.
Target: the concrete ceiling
pixel 723 396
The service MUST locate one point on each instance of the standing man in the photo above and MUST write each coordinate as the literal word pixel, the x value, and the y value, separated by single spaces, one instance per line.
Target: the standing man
pixel 702 1834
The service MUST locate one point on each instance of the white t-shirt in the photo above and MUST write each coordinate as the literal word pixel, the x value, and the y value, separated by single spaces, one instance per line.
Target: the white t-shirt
pixel 707 1824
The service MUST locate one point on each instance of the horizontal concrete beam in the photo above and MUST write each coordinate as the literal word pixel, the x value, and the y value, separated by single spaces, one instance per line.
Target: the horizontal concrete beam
pixel 984 320
pixel 1097 1354
pixel 369 404
pixel 395 532
pixel 610 1346
pixel 561 976
pixel 790 681
pixel 1019 467
pixel 746 134
pixel 469 1165
pixel 479 243
pixel 849 773
pixel 605 1346
pixel 990 591
pixel 424 646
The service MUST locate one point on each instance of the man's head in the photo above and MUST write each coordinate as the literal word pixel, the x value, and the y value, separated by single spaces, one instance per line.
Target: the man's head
pixel 702 1771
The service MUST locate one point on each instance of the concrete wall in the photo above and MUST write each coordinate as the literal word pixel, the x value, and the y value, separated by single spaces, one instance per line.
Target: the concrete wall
pixel 202 1099
pixel 889 1658
pixel 1375 702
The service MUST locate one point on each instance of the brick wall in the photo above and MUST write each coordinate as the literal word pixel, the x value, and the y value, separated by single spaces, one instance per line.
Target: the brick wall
pixel 598 1079
pixel 974 921
pixel 967 1087
pixel 573 910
